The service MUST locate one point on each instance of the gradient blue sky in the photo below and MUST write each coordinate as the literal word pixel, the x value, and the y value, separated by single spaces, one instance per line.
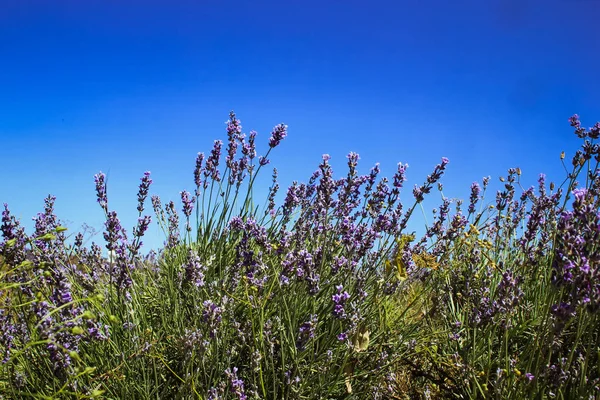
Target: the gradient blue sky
pixel 125 87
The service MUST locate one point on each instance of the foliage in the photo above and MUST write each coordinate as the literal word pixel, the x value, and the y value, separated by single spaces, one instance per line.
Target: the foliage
pixel 325 296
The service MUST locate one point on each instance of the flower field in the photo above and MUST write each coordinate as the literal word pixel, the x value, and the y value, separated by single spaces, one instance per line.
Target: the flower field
pixel 323 296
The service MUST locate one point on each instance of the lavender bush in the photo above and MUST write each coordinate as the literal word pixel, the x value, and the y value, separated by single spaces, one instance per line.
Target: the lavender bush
pixel 322 296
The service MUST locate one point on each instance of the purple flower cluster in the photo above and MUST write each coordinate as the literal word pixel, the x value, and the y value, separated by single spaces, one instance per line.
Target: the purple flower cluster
pixel 143 191
pixel 237 169
pixel 234 130
pixel 485 302
pixel 194 270
pixel 420 191
pixel 339 301
pixel 249 260
pixel 198 172
pixel 100 180
pixel 592 133
pixel 277 135
pixel 249 149
pixel 577 252
pixel 114 233
pixel 7 334
pixel 122 253
pixel 302 265
pixel 211 168
pixel 237 385
pixel 475 191
pixel 272 193
pixel 212 317
pixel 13 246
pixel 46 225
pixel 138 231
pixel 541 219
pixel 507 297
pixel 188 205
pixel 307 332
pixel 192 341
pixel 173 225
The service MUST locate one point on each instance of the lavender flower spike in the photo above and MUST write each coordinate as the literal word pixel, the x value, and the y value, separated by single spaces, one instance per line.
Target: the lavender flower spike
pixel 100 180
pixel 143 190
pixel 188 203
pixel 278 134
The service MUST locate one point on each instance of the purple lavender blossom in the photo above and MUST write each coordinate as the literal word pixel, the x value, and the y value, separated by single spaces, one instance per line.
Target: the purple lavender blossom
pixel 234 129
pixel 575 265
pixel 486 181
pixel 122 267
pixel 529 376
pixel 211 169
pixel 78 240
pixel 579 130
pixel 100 180
pixel 594 131
pixel 8 224
pixel 138 232
pixel 8 331
pixel 234 125
pixel 307 332
pixel 339 300
pixel 198 172
pixel 114 231
pixel 437 229
pixel 236 223
pixel 249 149
pixel 338 263
pixel 352 162
pixel 156 205
pixel 475 191
pixel 292 199
pixel 400 175
pixel 142 226
pixel 173 225
pixel 143 191
pixel 399 178
pixel 194 270
pixel 372 178
pixel 263 161
pixel 188 205
pixel 272 193
pixel 237 385
pixel 277 135
pixel 326 188
pixel 418 193
pixel 212 317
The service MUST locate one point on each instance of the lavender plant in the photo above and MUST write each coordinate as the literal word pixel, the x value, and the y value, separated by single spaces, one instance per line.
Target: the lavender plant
pixel 324 295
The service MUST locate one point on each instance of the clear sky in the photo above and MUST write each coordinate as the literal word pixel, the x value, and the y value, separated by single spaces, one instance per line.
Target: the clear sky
pixel 128 86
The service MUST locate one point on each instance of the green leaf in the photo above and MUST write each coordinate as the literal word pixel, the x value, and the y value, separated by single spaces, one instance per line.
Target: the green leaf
pixel 47 237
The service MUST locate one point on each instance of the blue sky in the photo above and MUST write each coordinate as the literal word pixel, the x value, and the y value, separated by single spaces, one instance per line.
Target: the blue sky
pixel 125 87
